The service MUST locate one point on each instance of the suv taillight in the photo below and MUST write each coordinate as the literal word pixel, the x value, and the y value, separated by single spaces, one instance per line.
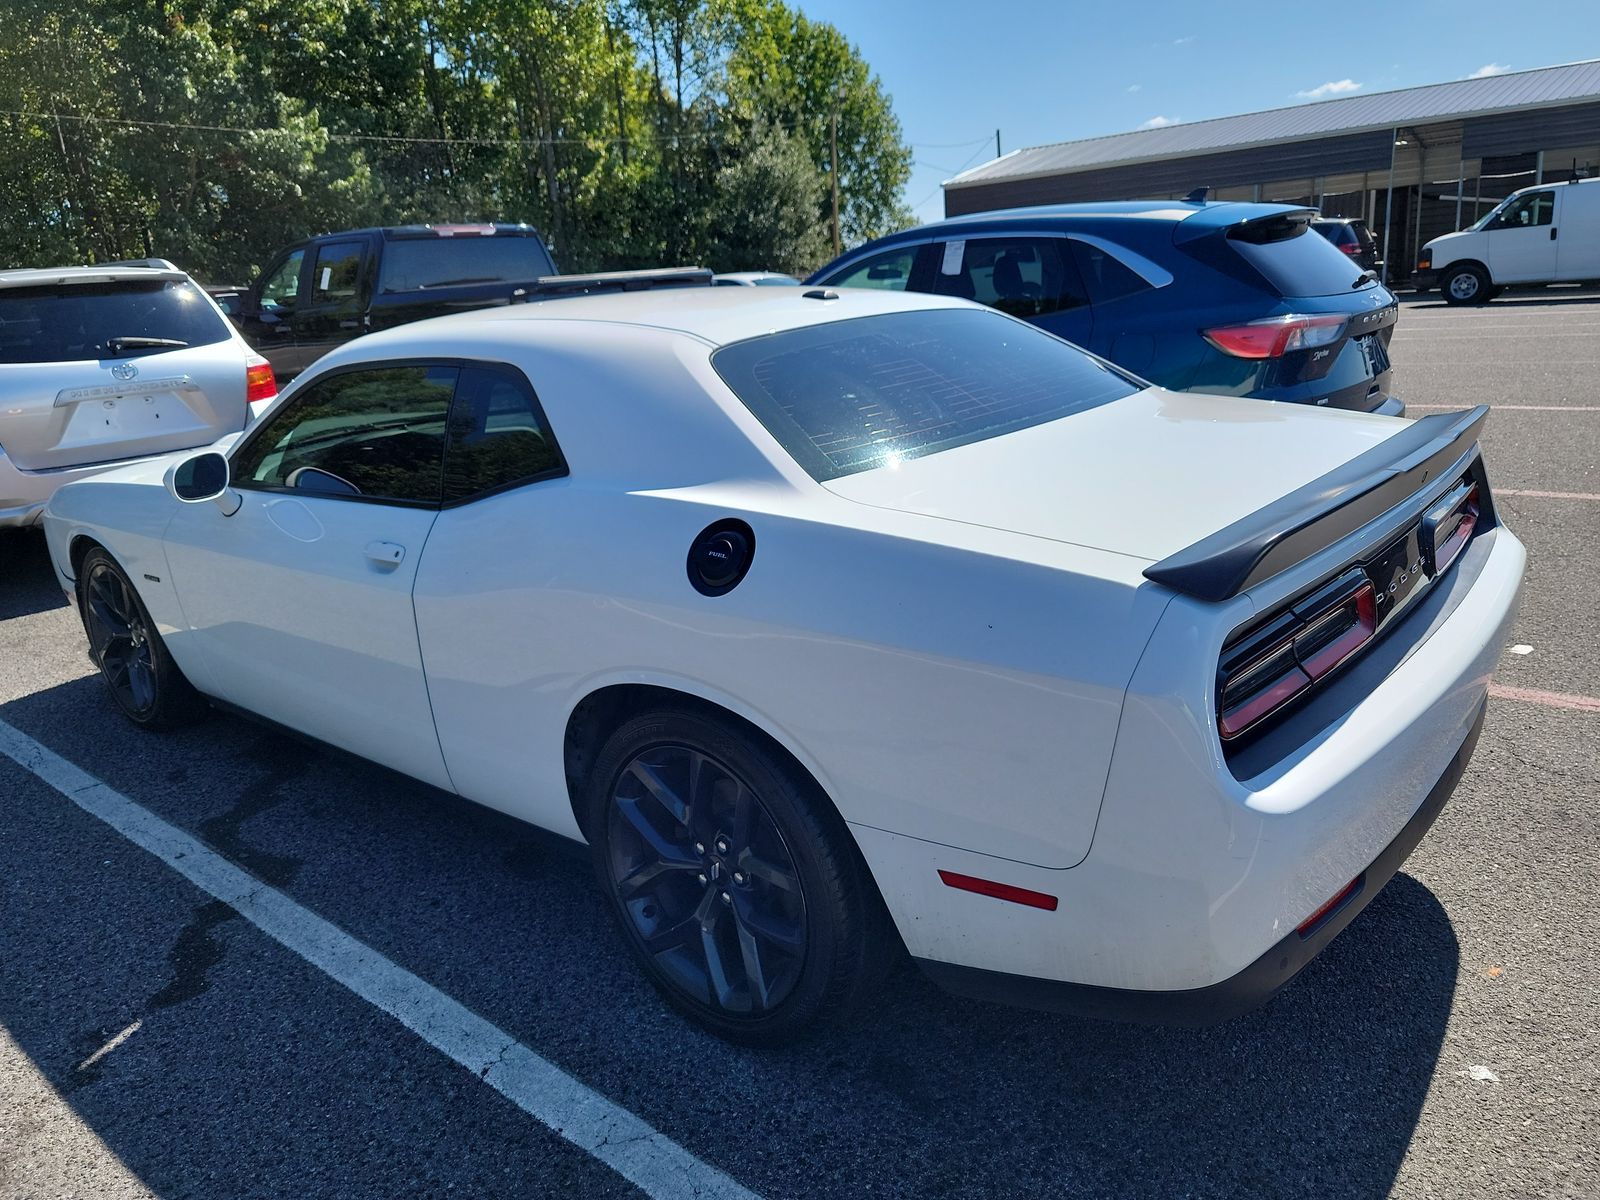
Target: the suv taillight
pixel 259 382
pixel 1276 336
pixel 1353 249
pixel 1272 664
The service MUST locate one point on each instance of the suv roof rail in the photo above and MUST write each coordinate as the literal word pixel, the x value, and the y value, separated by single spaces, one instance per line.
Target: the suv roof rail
pixel 155 264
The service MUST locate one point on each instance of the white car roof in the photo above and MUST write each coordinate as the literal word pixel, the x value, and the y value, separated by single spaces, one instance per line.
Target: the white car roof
pixel 716 316
pixel 109 273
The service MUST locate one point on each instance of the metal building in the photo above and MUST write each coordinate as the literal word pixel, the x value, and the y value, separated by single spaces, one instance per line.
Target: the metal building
pixel 1414 163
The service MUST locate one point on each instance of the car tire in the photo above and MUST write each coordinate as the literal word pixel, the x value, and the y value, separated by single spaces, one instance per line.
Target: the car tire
pixel 1466 285
pixel 125 645
pixel 734 881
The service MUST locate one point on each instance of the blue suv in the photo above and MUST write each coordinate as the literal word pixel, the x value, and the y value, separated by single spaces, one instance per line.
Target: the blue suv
pixel 1241 299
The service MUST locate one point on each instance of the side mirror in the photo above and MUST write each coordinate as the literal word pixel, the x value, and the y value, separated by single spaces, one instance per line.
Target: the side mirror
pixel 201 478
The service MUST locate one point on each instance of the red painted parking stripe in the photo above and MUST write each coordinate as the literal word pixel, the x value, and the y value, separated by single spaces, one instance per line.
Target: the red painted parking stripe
pixel 1547 495
pixel 1549 699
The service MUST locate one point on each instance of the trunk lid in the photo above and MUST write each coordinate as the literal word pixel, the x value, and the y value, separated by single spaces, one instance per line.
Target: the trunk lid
pixel 1144 476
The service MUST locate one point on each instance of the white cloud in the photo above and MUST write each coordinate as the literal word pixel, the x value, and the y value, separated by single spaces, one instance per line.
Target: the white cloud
pixel 1157 122
pixel 1334 87
pixel 1183 41
pixel 1134 87
pixel 1489 69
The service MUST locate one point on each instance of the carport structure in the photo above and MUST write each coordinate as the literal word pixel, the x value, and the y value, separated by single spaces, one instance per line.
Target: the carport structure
pixel 1414 163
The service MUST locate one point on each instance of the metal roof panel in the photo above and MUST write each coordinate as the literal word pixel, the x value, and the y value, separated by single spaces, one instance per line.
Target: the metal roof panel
pixel 1324 118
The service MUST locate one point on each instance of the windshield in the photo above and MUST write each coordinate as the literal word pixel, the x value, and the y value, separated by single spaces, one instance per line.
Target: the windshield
pixel 871 392
pixel 414 264
pixel 73 322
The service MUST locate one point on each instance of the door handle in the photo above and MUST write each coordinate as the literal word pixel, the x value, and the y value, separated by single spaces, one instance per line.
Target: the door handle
pixel 385 554
pixel 1552 233
pixel 350 324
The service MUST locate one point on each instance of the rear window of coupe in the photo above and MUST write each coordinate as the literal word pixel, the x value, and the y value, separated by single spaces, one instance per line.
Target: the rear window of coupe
pixel 869 392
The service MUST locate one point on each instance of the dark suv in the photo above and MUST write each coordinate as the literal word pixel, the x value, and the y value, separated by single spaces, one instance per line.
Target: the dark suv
pixel 1350 236
pixel 1241 299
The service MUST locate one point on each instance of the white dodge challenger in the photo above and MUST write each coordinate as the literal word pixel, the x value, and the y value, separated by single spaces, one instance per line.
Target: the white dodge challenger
pixel 841 624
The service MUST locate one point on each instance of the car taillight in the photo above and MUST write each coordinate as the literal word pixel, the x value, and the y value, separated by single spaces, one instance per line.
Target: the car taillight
pixel 1276 336
pixel 1269 666
pixel 1353 249
pixel 1448 527
pixel 259 382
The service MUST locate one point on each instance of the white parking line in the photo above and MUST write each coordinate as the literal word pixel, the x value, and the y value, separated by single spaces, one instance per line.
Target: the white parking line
pixel 643 1156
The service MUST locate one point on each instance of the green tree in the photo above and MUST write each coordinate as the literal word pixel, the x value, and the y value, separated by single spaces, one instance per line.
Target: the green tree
pixel 802 74
pixel 764 215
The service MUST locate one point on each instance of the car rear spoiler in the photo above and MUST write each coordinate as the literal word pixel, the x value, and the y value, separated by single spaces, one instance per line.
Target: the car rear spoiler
pixel 1314 517
pixel 548 286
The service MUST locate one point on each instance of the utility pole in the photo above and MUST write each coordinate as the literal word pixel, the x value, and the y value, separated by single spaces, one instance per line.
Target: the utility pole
pixel 833 176
pixel 997 143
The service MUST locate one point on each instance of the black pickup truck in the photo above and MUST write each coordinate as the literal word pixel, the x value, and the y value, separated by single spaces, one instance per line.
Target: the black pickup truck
pixel 320 293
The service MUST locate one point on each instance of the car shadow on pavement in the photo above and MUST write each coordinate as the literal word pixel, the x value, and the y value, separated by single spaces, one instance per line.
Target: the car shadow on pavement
pixel 27 583
pixel 928 1095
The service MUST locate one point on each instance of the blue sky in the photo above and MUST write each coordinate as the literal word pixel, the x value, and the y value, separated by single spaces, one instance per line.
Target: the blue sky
pixel 1049 72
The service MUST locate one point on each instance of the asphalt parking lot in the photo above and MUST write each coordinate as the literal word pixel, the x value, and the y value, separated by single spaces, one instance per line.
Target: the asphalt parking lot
pixel 155 1042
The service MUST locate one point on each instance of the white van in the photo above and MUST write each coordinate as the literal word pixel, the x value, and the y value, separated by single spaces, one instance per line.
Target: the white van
pixel 1544 234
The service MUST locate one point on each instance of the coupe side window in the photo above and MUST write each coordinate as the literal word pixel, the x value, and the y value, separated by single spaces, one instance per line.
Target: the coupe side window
pixel 337 275
pixel 373 434
pixel 282 285
pixel 498 435
pixel 1026 277
pixel 890 271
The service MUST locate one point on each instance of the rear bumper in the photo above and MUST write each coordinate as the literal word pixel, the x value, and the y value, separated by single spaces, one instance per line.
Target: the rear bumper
pixel 23 494
pixel 1239 994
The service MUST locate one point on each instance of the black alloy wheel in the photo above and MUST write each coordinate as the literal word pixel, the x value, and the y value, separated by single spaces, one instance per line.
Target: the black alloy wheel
pixel 706 880
pixel 125 644
pixel 736 884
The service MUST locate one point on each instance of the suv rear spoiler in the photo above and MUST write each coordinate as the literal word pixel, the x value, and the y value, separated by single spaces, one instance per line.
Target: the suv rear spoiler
pixel 549 286
pixel 1313 517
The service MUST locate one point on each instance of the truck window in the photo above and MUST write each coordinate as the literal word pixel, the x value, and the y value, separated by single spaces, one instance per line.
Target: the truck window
pixel 416 264
pixel 337 276
pixel 282 284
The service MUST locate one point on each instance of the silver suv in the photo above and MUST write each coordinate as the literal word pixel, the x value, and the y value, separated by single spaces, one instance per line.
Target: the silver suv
pixel 107 364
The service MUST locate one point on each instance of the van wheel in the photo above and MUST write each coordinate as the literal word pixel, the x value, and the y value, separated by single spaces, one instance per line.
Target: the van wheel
pixel 1466 285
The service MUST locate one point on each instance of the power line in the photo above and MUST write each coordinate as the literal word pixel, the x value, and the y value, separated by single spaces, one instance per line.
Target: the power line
pixel 957 171
pixel 371 137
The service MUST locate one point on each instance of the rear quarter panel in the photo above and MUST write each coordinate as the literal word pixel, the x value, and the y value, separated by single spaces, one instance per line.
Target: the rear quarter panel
pixel 959 694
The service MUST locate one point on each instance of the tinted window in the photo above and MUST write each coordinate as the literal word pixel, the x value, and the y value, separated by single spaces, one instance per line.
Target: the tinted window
pixel 1107 276
pixel 854 395
pixel 70 322
pixel 1295 261
pixel 337 275
pixel 376 433
pixel 890 271
pixel 1536 208
pixel 1026 277
pixel 498 435
pixel 413 264
pixel 281 287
